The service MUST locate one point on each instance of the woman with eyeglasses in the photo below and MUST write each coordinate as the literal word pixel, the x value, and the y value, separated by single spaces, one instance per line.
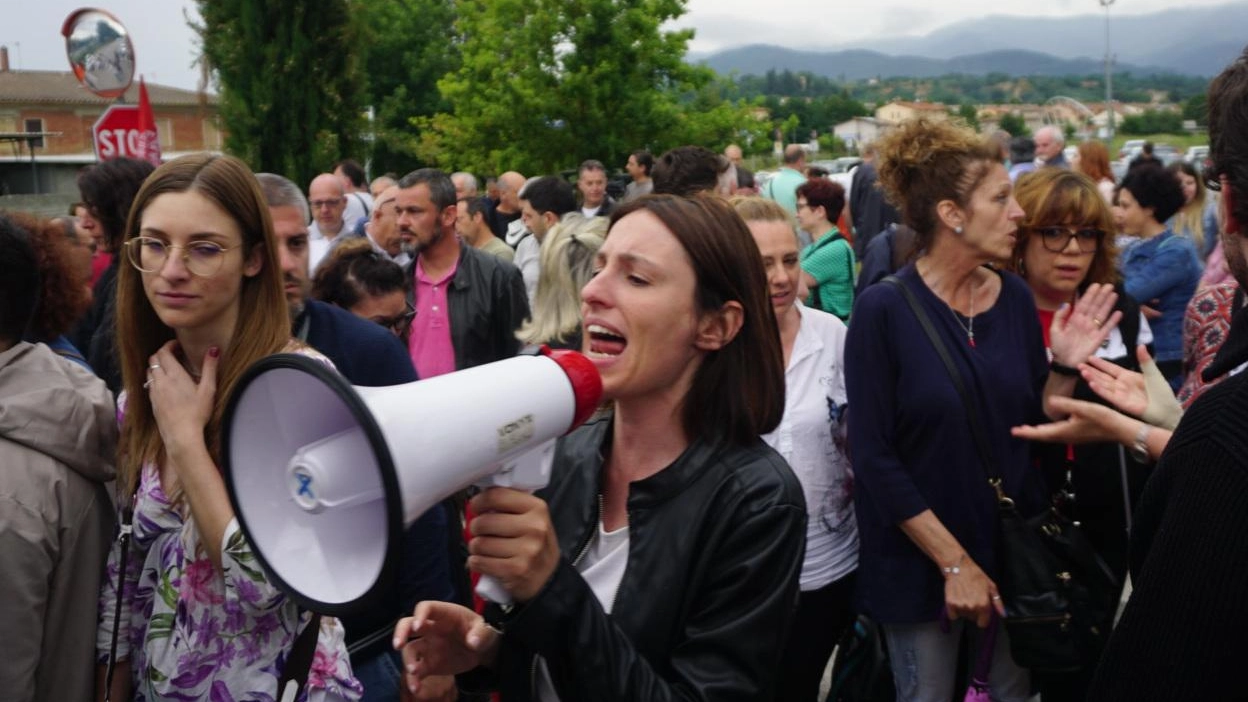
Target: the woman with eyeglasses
pixel 1065 244
pixel 366 283
pixel 927 513
pixel 185 611
pixel 1160 269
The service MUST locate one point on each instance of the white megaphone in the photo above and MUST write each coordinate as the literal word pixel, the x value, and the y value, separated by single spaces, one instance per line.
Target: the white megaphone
pixel 324 476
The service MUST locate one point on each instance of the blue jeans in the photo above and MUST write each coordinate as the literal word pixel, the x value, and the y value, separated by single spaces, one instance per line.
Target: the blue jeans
pixel 381 676
pixel 924 661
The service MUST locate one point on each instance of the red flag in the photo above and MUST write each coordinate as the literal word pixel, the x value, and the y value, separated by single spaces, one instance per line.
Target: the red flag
pixel 149 141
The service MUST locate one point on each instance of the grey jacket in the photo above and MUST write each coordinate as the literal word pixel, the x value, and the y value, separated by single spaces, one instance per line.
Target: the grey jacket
pixel 58 436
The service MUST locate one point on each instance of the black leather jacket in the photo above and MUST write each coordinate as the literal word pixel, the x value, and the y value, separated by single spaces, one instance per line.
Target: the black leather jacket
pixel 716 542
pixel 487 302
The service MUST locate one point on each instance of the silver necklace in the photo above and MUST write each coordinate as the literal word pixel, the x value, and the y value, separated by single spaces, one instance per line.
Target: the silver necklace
pixel 969 327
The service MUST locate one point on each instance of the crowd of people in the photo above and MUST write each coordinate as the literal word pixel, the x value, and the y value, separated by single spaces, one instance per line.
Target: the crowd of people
pixel 795 381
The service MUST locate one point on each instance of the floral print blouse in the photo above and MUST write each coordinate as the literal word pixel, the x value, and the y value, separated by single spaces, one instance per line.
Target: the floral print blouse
pixel 191 633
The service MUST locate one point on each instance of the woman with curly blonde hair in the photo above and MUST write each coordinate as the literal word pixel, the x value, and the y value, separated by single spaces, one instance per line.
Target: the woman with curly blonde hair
pixel 927 516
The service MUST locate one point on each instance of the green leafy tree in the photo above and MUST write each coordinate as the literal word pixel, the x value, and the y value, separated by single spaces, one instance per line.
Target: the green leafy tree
pixel 546 83
pixel 288 81
pixel 1013 123
pixel 405 48
pixel 970 115
pixel 1197 108
pixel 1152 122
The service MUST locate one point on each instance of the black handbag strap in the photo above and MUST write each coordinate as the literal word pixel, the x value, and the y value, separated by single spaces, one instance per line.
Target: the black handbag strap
pixel 299 662
pixel 972 415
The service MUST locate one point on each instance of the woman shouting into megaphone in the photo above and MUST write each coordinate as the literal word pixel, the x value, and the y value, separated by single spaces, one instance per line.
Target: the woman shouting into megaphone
pixel 662 561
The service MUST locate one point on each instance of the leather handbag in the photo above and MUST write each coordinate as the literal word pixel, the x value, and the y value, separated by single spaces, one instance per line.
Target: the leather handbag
pixel 1059 595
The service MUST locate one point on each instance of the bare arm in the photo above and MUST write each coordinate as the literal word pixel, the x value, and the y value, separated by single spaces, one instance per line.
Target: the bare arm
pixel 182 408
pixel 969 592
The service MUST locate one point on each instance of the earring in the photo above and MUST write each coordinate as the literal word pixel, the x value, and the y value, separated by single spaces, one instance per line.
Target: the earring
pixel 957 230
pixel 1020 268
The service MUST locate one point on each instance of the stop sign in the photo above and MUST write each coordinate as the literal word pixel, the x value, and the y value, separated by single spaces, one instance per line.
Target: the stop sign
pixel 116 134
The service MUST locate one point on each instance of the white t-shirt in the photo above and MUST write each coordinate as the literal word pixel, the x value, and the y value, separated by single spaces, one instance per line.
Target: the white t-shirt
pixel 528 260
pixel 319 244
pixel 603 568
pixel 812 438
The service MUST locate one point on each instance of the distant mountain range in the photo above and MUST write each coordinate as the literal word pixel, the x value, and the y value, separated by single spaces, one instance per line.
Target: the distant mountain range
pixel 1188 41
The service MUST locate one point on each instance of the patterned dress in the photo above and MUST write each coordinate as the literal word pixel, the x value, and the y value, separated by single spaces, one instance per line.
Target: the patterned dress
pixel 191 633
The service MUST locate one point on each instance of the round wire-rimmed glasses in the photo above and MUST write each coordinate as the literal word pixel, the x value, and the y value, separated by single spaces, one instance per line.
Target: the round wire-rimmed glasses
pixel 202 258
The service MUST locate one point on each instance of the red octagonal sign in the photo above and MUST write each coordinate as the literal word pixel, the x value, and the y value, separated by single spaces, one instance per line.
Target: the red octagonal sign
pixel 116 133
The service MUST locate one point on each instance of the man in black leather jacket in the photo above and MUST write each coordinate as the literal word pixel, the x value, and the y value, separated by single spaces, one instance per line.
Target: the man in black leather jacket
pixel 485 298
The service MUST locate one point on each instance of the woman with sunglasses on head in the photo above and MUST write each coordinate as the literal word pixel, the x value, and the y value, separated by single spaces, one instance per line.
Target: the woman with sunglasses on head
pixel 925 505
pixel 1065 244
pixel 366 283
pixel 199 300
pixel 662 561
pixel 1159 269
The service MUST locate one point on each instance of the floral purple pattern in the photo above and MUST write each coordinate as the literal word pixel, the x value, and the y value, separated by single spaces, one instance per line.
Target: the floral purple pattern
pixel 191 633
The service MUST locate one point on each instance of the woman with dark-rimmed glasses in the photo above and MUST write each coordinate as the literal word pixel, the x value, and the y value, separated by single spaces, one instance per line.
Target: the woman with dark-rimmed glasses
pixel 363 281
pixel 1065 244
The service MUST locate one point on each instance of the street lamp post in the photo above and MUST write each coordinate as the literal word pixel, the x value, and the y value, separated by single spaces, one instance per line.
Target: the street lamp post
pixel 1109 78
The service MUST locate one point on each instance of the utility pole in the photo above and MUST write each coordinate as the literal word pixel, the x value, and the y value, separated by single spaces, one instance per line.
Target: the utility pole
pixel 1109 79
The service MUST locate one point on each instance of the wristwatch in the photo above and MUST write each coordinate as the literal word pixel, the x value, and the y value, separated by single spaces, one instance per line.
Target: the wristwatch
pixel 1139 447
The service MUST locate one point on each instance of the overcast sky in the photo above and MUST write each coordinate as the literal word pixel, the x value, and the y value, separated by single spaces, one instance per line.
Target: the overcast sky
pixel 165 45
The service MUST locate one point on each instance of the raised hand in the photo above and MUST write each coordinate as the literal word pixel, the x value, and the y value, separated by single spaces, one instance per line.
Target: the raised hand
pixel 1078 331
pixel 442 639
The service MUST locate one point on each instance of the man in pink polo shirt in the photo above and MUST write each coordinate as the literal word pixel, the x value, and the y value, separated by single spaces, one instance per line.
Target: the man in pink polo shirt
pixel 468 303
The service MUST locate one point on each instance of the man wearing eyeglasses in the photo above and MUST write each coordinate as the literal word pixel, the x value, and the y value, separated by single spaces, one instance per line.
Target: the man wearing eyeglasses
pixel 328 201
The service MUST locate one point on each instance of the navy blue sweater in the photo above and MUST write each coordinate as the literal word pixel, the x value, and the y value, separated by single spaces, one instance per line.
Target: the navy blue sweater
pixel 367 354
pixel 910 438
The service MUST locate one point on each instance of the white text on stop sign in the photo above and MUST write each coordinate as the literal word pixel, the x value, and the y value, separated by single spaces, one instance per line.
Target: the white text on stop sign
pixel 119 142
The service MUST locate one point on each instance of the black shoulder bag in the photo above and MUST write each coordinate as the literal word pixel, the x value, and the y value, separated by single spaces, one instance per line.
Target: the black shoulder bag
pixel 1059 595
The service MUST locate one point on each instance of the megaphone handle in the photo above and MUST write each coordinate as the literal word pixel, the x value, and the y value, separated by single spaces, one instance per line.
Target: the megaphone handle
pixel 490 589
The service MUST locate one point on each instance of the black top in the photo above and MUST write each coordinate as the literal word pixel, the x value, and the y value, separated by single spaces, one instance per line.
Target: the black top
pixel 1182 636
pixel 910 438
pixel 714 553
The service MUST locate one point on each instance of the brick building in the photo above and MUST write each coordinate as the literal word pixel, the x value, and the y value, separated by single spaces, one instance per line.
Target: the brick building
pixel 54 103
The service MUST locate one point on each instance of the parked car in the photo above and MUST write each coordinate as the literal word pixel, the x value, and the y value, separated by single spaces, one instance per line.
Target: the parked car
pixel 1130 149
pixel 1198 156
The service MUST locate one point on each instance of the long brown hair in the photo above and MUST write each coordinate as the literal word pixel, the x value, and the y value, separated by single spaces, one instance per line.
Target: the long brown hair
pixel 262 327
pixel 1094 161
pixel 738 391
pixel 1051 196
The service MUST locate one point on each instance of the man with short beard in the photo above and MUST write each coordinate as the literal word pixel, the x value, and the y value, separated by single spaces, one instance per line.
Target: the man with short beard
pixel 468 303
pixel 365 353
pixel 1181 636
pixel 472 225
